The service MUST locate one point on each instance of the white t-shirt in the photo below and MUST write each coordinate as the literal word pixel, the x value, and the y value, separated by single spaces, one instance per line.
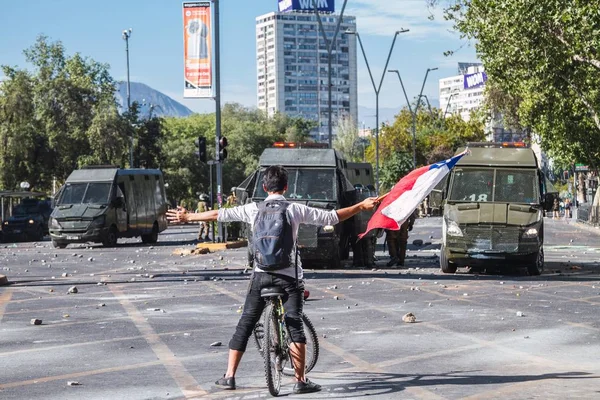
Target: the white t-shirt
pixel 297 214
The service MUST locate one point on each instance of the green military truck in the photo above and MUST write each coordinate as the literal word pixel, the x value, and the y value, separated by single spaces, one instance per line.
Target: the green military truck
pixel 103 203
pixel 494 202
pixel 318 177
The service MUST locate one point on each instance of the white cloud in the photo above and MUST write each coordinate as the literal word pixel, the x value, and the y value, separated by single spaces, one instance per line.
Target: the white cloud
pixel 384 17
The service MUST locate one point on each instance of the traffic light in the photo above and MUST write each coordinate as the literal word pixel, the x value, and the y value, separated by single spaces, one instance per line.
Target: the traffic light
pixel 201 144
pixel 566 175
pixel 222 148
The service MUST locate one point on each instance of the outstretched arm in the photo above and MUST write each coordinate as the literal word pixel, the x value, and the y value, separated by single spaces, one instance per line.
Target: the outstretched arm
pixel 365 205
pixel 181 215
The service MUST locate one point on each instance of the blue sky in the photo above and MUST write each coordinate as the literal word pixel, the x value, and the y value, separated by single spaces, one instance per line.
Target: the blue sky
pixel 156 46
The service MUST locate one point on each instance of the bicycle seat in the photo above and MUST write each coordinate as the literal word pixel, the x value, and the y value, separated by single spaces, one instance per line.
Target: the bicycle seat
pixel 272 291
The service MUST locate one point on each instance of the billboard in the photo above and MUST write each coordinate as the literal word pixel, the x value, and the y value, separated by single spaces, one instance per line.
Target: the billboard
pixel 327 6
pixel 197 49
pixel 474 80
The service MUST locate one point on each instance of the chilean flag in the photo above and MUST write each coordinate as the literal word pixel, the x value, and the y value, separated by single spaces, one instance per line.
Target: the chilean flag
pixel 408 193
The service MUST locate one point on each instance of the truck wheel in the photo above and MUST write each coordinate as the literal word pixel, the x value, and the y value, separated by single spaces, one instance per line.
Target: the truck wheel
pixel 58 245
pixel 538 265
pixel 151 237
pixel 110 239
pixel 446 266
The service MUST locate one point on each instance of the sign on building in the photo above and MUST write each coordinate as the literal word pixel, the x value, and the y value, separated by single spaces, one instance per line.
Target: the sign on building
pixel 197 49
pixel 474 80
pixel 327 6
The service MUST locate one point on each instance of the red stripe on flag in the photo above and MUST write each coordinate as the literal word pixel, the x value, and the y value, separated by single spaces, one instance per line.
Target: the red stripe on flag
pixel 378 220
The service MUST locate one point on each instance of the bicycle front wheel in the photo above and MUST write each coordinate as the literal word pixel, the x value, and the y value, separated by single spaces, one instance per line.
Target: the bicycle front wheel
pixel 271 349
pixel 312 348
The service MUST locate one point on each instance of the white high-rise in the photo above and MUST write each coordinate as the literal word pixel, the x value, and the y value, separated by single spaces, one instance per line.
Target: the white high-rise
pixel 463 93
pixel 291 60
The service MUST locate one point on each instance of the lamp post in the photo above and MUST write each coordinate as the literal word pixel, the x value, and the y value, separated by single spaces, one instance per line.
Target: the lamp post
pixel 329 44
pixel 413 112
pixel 377 89
pixel 126 36
pixel 448 103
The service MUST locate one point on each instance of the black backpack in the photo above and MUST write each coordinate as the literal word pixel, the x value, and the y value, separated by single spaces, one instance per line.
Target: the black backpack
pixel 272 238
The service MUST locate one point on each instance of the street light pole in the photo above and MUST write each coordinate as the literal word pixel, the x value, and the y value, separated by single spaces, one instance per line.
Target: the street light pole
pixel 126 36
pixel 414 113
pixel 377 89
pixel 329 45
pixel 222 236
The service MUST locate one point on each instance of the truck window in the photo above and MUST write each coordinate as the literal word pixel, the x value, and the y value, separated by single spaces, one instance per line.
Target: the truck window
pixel 77 193
pixel 515 186
pixel 472 185
pixel 305 184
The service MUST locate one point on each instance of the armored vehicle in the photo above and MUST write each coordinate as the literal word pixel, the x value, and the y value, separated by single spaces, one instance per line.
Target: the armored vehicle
pixel 318 177
pixel 493 209
pixel 102 204
pixel 29 220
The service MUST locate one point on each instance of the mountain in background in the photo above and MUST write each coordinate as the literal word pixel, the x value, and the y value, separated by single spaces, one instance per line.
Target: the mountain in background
pixel 163 105
pixel 366 115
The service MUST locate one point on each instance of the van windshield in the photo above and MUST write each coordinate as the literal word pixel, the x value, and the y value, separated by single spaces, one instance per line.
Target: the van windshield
pixel 497 185
pixel 305 184
pixel 85 193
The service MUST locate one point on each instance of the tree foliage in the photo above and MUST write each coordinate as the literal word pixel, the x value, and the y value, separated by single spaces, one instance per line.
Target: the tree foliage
pixel 59 116
pixel 347 140
pixel 437 138
pixel 543 65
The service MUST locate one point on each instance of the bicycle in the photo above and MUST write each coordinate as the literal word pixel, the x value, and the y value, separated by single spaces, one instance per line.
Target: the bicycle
pixel 273 335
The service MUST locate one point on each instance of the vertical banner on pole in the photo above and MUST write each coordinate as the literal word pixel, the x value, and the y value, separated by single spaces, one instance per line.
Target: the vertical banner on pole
pixel 197 49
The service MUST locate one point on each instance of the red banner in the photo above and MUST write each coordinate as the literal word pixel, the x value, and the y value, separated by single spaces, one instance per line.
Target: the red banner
pixel 197 49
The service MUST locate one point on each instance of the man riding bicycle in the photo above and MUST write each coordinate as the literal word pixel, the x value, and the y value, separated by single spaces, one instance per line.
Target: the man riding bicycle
pixel 275 183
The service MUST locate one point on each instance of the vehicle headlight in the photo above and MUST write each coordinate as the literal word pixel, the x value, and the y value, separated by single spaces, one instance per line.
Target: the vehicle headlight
pixel 530 233
pixel 328 229
pixel 98 222
pixel 31 221
pixel 54 223
pixel 453 229
pixel 5 222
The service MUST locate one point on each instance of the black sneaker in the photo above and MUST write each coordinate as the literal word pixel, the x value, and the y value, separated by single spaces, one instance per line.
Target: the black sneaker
pixel 393 261
pixel 306 387
pixel 226 383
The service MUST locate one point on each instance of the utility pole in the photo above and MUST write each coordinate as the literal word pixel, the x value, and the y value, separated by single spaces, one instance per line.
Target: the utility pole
pixel 377 90
pixel 218 118
pixel 329 45
pixel 126 36
pixel 414 112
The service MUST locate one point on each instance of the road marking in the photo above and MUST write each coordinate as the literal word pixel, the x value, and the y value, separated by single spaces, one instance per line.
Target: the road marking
pixel 96 372
pixel 186 382
pixel 114 340
pixel 4 300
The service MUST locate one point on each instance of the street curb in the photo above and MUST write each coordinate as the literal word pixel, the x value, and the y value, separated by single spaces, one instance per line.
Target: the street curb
pixel 222 246
pixel 3 280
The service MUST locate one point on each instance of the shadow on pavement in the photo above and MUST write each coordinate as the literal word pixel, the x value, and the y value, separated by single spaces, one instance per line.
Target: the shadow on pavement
pixel 377 384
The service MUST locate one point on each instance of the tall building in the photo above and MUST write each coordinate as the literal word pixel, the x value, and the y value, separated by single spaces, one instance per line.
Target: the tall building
pixel 291 61
pixel 463 93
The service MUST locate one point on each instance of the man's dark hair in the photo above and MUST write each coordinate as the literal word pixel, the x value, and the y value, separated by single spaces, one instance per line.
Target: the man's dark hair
pixel 275 178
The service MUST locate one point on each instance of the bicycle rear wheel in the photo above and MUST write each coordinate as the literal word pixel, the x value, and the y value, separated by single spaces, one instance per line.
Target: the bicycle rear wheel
pixel 271 350
pixel 312 348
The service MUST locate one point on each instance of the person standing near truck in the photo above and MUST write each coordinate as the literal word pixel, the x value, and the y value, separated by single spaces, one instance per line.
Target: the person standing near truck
pixel 289 279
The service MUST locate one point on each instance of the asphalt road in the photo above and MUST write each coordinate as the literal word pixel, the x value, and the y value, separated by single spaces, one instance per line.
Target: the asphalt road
pixel 143 321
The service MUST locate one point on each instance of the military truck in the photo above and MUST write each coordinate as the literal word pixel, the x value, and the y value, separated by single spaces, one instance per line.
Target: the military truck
pixel 29 220
pixel 318 177
pixel 103 203
pixel 494 202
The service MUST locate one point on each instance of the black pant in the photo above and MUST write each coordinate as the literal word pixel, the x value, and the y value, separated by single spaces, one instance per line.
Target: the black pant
pixel 254 306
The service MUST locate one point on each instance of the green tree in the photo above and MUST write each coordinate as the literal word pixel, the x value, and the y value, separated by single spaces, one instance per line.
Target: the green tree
pixel 543 66
pixel 347 140
pixel 57 117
